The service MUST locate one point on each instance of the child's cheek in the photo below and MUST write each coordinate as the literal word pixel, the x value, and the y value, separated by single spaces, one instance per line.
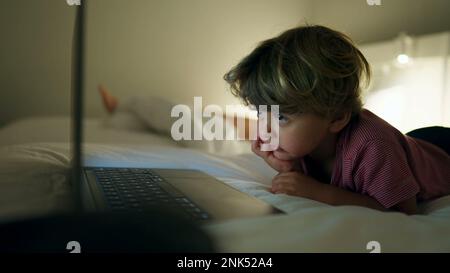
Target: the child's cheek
pixel 288 142
pixel 292 143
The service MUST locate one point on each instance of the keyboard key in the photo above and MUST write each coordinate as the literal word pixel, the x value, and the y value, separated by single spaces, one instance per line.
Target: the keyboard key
pixel 116 203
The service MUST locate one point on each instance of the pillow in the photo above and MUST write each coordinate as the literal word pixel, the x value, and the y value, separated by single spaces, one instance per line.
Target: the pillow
pixel 151 112
pixel 127 121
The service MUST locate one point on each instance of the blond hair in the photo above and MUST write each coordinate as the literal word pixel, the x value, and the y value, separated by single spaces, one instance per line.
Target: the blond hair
pixel 308 69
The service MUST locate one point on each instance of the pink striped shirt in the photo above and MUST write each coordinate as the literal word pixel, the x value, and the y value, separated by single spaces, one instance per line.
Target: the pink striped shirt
pixel 375 159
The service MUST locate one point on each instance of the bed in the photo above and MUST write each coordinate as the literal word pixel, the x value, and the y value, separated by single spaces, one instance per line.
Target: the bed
pixel 34 163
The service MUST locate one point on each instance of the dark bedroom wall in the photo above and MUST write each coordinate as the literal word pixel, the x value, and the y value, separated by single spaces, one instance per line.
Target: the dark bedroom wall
pixel 34 58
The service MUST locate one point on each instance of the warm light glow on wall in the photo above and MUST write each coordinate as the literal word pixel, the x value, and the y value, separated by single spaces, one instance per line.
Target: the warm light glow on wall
pixel 409 87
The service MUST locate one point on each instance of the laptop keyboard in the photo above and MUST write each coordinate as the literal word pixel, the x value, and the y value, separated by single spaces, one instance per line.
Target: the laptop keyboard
pixel 136 189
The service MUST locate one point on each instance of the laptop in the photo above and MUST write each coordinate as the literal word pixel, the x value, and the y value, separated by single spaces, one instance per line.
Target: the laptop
pixel 192 193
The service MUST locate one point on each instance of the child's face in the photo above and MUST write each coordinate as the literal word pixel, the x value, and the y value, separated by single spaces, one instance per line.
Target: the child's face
pixel 300 135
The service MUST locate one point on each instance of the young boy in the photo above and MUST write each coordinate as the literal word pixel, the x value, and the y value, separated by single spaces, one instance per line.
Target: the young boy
pixel 330 148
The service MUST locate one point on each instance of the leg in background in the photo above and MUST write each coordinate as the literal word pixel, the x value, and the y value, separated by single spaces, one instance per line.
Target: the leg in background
pixel 109 101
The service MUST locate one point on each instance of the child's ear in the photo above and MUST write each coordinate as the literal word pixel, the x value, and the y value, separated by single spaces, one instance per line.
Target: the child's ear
pixel 340 122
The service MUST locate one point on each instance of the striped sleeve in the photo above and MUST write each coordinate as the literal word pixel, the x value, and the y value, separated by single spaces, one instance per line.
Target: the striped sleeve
pixel 383 172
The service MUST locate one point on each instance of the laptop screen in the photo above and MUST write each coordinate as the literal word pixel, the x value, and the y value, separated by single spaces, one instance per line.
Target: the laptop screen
pixel 76 102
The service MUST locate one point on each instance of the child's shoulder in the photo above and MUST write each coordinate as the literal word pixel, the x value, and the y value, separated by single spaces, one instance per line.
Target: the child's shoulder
pixel 367 129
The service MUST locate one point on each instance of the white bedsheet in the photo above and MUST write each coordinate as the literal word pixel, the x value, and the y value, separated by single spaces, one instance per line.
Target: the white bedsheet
pixel 96 130
pixel 33 180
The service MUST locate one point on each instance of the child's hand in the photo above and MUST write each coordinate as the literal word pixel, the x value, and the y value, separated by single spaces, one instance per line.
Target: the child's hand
pixel 277 164
pixel 297 184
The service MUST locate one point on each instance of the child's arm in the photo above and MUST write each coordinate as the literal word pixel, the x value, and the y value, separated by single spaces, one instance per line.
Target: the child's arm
pixel 408 206
pixel 336 196
pixel 298 184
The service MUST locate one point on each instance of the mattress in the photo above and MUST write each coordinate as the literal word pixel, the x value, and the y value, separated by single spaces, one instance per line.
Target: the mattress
pixel 34 181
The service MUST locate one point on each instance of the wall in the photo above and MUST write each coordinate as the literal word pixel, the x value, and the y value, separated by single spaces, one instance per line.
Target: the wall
pixel 170 48
pixel 34 58
pixel 367 24
pixel 416 94
pixel 178 49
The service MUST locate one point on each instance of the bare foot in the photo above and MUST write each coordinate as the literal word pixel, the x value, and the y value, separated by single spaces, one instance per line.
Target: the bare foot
pixel 109 101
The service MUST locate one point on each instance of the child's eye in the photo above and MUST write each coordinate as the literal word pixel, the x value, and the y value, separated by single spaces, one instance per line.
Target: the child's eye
pixel 282 119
